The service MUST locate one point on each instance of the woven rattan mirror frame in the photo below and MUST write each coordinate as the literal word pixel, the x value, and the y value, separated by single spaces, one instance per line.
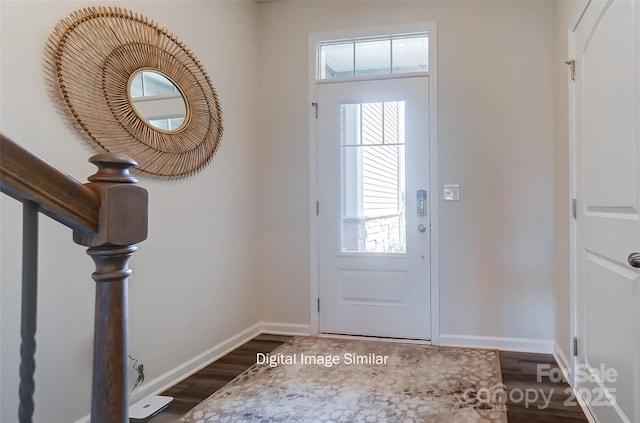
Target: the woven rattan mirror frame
pixel 89 58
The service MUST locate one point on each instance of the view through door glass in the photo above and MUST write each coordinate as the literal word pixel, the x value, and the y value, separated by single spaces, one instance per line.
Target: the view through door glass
pixel 373 181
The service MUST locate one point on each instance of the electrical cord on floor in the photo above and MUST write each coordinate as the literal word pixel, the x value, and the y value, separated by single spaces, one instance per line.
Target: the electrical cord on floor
pixel 140 369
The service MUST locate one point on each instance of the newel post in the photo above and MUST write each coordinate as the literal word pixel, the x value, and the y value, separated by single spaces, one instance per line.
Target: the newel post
pixel 122 224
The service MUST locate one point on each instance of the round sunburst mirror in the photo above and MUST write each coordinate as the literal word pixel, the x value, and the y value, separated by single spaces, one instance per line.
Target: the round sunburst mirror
pixel 127 85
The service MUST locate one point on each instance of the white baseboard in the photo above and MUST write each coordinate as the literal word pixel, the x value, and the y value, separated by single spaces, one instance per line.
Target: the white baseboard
pixel 563 362
pixel 285 328
pixel 586 408
pixel 186 369
pixel 501 343
pixel 565 366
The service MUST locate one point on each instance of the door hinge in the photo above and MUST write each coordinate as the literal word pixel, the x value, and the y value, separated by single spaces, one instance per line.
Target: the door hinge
pixel 318 304
pixel 575 346
pixel 315 106
pixel 572 64
pixel 317 208
pixel 574 208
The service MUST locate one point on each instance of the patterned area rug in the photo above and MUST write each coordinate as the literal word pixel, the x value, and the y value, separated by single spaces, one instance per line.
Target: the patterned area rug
pixel 311 379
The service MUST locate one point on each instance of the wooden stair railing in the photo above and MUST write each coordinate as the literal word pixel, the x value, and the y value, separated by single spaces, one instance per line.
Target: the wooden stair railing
pixel 108 215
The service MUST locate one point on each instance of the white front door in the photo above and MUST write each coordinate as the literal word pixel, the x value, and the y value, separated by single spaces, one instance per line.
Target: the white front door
pixel 374 217
pixel 607 178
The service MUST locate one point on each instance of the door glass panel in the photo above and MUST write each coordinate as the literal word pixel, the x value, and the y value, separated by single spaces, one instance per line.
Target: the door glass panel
pixel 373 177
pixel 387 55
pixel 336 61
pixel 410 54
pixel 373 57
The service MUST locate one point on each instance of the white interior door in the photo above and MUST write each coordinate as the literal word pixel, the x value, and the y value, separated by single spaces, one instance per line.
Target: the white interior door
pixel 607 177
pixel 374 219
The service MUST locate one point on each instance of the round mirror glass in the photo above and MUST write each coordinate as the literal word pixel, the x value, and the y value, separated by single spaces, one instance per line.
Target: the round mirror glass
pixel 157 100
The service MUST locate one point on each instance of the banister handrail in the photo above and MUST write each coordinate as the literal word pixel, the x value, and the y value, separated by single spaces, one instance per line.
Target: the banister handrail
pixel 108 215
pixel 25 176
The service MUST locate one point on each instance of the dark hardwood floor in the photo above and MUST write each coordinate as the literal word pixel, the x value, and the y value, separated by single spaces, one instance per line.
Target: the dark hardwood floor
pixel 199 386
pixel 548 402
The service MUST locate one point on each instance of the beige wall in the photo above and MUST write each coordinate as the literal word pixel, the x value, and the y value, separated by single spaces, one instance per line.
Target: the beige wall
pixel 193 284
pixel 496 139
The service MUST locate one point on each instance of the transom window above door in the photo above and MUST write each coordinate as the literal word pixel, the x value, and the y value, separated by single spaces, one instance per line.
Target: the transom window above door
pixel 381 55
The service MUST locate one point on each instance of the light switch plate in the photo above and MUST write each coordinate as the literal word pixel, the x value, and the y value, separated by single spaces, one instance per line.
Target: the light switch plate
pixel 452 192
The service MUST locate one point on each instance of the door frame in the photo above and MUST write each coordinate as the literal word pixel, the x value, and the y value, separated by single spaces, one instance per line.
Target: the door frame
pixel 573 281
pixel 570 373
pixel 314 263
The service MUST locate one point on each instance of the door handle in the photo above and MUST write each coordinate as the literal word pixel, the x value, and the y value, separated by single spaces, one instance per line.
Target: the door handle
pixel 634 259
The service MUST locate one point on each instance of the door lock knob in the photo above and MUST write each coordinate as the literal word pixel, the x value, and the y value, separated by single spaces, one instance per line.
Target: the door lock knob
pixel 634 259
pixel 422 228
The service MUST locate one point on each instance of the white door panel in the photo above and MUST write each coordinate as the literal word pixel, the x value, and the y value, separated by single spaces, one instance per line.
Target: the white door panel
pixel 373 159
pixel 607 177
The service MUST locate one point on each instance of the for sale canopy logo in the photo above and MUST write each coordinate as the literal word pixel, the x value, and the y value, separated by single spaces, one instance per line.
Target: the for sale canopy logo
pixel 597 395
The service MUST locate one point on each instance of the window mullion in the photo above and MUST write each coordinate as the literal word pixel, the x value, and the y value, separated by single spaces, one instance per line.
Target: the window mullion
pixel 391 55
pixel 383 131
pixel 354 57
